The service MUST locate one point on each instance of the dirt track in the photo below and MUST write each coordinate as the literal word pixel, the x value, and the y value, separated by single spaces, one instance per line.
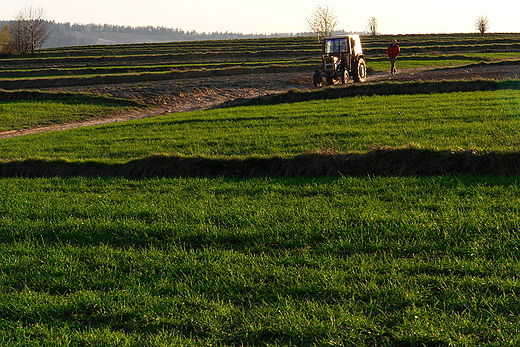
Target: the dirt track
pixel 210 92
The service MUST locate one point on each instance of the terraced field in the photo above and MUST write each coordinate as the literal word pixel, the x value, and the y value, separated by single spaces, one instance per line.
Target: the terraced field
pixel 95 65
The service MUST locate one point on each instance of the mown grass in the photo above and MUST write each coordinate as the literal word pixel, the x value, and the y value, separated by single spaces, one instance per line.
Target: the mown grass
pixel 280 262
pixel 486 121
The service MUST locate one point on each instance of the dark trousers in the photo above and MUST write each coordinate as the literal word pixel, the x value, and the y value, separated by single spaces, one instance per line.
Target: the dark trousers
pixel 392 62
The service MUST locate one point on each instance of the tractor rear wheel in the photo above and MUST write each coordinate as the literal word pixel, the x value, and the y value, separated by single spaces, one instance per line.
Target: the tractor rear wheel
pixel 316 78
pixel 359 71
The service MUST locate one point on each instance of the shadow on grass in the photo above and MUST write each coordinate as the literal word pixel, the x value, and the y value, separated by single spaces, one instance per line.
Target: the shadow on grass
pixel 378 162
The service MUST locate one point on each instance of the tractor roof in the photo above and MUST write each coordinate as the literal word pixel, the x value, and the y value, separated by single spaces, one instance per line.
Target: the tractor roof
pixel 341 37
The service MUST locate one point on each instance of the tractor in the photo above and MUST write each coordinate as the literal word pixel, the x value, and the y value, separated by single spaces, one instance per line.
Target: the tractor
pixel 342 57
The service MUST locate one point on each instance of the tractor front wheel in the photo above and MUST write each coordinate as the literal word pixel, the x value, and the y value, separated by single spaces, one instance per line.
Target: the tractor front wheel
pixel 316 78
pixel 344 76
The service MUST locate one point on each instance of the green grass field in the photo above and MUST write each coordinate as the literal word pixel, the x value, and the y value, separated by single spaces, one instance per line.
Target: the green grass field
pixel 446 121
pixel 279 262
pixel 263 261
pixel 302 261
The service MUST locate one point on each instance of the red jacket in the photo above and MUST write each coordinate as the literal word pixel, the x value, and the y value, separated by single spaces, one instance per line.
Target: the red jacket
pixel 393 50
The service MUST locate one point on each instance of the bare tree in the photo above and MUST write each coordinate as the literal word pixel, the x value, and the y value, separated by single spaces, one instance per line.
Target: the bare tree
pixel 29 30
pixel 482 24
pixel 372 26
pixel 322 23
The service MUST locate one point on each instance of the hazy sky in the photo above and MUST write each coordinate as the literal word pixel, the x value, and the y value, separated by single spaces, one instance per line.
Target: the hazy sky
pixel 287 16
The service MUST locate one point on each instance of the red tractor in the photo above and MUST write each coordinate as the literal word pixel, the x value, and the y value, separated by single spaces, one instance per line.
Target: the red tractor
pixel 342 57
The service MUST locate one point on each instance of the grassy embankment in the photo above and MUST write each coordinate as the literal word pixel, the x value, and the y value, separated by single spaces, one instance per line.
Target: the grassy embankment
pixel 388 261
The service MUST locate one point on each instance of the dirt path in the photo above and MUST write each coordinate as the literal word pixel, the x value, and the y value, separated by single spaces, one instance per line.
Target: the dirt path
pixel 118 117
pixel 197 94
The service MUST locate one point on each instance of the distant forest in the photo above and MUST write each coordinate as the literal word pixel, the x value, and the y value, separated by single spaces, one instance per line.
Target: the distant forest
pixel 66 34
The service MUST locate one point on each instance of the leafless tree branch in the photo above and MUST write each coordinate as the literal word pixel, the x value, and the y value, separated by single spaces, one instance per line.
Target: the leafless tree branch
pixel 372 26
pixel 29 30
pixel 482 24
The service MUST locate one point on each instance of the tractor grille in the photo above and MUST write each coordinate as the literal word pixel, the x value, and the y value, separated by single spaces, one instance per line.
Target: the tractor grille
pixel 328 64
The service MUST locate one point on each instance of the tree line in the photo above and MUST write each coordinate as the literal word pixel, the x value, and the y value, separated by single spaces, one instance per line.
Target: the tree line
pixel 30 31
pixel 154 32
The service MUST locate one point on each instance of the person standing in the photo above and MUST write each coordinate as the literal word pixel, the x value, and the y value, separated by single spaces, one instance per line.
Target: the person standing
pixel 393 51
